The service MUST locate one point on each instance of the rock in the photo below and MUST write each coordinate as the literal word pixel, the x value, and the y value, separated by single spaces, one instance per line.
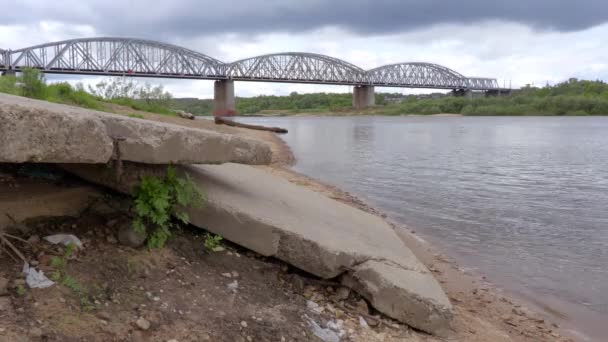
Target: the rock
pixel 362 306
pixel 33 239
pixel 129 237
pixel 142 323
pixel 3 286
pixel 104 316
pixel 244 324
pixel 111 239
pixel 185 115
pixel 39 131
pixel 233 286
pixel 36 332
pixel 342 293
pixel 273 217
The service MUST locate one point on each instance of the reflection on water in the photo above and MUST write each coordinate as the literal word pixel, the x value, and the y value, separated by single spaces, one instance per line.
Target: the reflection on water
pixel 524 200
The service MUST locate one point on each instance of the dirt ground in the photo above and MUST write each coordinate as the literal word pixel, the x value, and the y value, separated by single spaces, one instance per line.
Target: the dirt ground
pixel 185 293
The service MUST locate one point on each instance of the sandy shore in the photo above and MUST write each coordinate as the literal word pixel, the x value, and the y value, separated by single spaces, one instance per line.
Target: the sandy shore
pixel 483 311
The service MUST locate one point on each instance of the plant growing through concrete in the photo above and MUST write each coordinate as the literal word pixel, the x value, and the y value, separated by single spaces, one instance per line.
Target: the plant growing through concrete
pixel 212 242
pixel 157 200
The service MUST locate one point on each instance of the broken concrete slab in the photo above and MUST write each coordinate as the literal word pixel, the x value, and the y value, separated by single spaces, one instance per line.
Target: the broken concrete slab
pixel 390 289
pixel 28 134
pixel 40 131
pixel 274 217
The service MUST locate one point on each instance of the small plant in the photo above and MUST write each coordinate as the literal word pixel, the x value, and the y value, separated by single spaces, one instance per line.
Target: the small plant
pixel 20 290
pixel 212 241
pixel 157 200
pixel 59 275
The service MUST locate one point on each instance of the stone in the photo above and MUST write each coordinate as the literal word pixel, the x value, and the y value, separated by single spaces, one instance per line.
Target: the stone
pixel 104 315
pixel 36 332
pixel 142 323
pixel 244 324
pixel 39 131
pixel 342 293
pixel 273 217
pixel 129 237
pixel 362 306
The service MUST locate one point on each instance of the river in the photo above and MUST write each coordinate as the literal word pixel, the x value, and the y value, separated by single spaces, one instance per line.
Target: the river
pixel 522 200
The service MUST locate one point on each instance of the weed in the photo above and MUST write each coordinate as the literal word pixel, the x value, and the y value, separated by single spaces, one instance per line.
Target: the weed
pixel 212 241
pixel 135 115
pixel 21 291
pixel 157 199
pixel 59 274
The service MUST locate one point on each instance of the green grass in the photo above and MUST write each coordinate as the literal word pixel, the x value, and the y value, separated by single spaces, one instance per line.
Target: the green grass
pixel 31 83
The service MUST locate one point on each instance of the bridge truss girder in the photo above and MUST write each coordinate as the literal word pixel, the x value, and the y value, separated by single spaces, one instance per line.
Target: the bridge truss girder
pixel 146 58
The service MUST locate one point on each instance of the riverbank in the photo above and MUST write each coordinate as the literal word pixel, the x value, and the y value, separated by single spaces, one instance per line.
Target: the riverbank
pixel 466 325
pixel 483 311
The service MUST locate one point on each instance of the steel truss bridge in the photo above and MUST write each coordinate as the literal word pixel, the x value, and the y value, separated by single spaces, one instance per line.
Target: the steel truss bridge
pixel 145 58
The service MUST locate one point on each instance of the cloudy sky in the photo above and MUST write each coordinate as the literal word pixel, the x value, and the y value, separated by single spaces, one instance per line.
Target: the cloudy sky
pixel 517 41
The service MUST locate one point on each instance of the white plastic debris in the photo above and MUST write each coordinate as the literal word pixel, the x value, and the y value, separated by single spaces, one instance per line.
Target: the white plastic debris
pixel 233 286
pixel 312 306
pixel 36 279
pixel 325 335
pixel 363 322
pixel 64 239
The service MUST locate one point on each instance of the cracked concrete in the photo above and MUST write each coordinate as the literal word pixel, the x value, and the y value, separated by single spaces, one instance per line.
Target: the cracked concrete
pixel 274 217
pixel 44 132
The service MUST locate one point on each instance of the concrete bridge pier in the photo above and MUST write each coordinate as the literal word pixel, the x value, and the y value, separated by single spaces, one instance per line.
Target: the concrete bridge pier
pixel 497 92
pixel 363 96
pixel 223 98
pixel 9 72
pixel 462 93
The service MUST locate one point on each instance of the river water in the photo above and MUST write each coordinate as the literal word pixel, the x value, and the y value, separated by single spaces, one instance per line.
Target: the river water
pixel 522 200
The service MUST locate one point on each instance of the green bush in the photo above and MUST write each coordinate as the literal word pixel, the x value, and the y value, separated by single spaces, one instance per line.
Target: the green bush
pixel 157 200
pixel 33 84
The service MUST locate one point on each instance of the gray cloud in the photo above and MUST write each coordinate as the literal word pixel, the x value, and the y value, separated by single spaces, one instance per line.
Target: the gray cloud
pixel 189 18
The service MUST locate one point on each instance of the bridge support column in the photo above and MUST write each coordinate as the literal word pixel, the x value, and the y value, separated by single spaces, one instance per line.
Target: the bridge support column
pixel 462 93
pixel 363 96
pixel 223 98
